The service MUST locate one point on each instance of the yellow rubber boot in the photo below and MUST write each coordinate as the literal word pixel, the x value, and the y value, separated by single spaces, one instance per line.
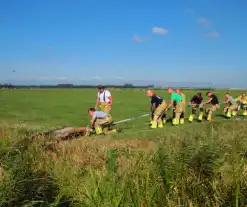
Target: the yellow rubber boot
pixel 154 125
pixel 200 116
pixel 182 121
pixel 209 117
pixel 191 118
pixel 245 113
pixel 175 122
pixel 234 113
pixel 228 115
pixel 164 121
pixel 160 125
pixel 98 130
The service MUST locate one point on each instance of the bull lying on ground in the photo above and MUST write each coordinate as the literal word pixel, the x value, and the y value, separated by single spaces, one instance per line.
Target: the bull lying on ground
pixel 67 133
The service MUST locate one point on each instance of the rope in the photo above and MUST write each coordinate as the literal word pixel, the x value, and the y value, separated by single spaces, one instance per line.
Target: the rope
pixel 144 130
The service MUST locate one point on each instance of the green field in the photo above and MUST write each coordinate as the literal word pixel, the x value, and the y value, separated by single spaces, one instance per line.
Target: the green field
pixel 49 108
pixel 198 164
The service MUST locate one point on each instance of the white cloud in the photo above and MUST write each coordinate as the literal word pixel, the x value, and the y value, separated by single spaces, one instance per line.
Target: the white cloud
pixel 159 30
pixel 137 39
pixel 213 34
pixel 204 22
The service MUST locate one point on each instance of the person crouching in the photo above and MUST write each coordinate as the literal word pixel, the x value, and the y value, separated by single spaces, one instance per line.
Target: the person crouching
pixel 158 106
pixel 101 121
pixel 195 103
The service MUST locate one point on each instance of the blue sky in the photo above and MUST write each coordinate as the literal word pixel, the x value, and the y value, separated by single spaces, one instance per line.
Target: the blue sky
pixel 97 42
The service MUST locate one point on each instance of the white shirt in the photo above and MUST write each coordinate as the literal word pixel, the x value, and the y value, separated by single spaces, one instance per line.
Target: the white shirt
pixel 104 96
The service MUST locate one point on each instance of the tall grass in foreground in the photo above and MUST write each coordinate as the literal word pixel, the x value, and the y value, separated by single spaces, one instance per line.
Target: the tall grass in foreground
pixel 205 167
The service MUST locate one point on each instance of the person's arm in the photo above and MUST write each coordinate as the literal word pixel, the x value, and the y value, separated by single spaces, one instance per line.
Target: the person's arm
pixel 208 101
pixel 97 102
pixel 170 105
pixel 110 98
pixel 108 94
pixel 200 102
pixel 93 121
pixel 192 100
pixel 227 101
pixel 153 107
pixel 171 102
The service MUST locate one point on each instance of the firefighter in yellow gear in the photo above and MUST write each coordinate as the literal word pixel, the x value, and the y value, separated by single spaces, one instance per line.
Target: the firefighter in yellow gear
pixel 104 100
pixel 158 106
pixel 231 109
pixel 100 121
pixel 213 99
pixel 196 103
pixel 176 101
pixel 242 103
pixel 181 121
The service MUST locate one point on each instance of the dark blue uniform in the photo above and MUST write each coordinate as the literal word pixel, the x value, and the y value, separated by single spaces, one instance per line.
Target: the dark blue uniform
pixel 156 100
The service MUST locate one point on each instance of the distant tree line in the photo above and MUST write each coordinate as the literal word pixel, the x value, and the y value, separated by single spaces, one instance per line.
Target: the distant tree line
pixel 11 86
pixel 64 86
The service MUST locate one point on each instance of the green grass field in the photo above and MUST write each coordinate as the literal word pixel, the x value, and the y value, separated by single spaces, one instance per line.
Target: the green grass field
pixel 198 164
pixel 49 108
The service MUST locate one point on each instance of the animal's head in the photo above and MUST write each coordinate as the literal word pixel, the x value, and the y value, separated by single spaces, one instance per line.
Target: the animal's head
pixel 88 131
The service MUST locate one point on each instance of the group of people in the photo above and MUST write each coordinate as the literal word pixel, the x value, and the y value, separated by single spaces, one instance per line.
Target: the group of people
pixel 101 119
pixel 159 107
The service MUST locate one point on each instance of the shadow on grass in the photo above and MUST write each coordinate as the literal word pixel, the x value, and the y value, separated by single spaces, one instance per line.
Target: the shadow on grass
pixel 39 189
pixel 221 115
